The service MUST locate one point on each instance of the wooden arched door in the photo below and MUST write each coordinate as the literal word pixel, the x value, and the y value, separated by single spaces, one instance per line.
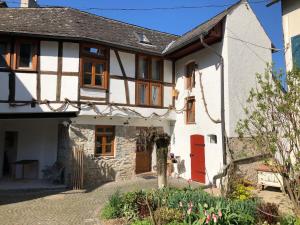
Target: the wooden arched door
pixel 198 158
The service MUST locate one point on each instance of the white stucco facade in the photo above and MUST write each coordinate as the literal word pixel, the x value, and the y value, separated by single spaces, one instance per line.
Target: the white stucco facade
pixel 241 63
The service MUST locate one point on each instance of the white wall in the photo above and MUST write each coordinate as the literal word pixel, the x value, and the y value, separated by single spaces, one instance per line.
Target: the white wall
pixel 25 86
pixel 70 57
pixel 243 61
pixel 117 91
pixel 4 91
pixel 128 62
pixel 69 88
pixel 37 140
pixel 168 71
pixel 49 56
pixel 180 143
pixel 290 21
pixel 48 87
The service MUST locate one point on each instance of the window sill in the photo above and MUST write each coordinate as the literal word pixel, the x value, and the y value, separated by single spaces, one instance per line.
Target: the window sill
pixel 190 123
pixel 94 87
pixel 104 156
pixel 25 70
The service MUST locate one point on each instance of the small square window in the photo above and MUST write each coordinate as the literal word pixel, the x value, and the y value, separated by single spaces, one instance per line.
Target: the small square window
pixel 212 138
pixel 26 55
pixel 143 38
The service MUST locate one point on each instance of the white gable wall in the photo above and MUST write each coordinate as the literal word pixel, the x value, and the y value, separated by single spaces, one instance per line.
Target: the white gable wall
pixel 243 61
pixel 180 144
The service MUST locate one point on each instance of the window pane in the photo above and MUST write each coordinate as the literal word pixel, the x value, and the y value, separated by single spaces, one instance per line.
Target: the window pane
pixel 155 95
pixel 87 73
pixel 191 111
pixel 99 80
pixel 108 148
pixel 98 141
pixel 143 67
pixel 98 150
pixel 2 54
pixel 109 140
pixel 143 94
pixel 156 69
pixel 99 68
pixel 99 130
pixel 25 57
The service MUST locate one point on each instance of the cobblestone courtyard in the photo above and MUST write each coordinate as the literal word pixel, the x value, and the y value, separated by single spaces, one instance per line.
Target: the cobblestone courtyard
pixel 65 208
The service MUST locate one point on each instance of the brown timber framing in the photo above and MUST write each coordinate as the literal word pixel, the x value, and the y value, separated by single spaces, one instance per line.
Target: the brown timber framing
pixel 59 70
pixel 124 75
pixel 12 74
pixel 38 75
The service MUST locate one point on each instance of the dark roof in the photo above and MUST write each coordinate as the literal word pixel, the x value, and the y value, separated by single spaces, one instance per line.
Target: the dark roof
pixel 203 28
pixel 74 24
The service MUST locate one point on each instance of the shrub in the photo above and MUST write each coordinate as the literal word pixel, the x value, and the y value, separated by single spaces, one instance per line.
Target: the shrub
pixel 268 212
pixel 114 207
pixel 141 222
pixel 166 215
pixel 109 212
pixel 242 192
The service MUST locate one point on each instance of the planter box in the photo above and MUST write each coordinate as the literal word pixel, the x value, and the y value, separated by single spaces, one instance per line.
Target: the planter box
pixel 267 177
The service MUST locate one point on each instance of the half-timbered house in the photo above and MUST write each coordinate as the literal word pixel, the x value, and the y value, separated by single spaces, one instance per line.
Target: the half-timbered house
pixel 71 79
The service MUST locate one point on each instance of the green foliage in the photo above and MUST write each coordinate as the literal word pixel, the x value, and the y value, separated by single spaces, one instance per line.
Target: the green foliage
pixel 141 222
pixel 242 192
pixel 166 215
pixel 109 212
pixel 272 122
pixel 113 209
pixel 289 220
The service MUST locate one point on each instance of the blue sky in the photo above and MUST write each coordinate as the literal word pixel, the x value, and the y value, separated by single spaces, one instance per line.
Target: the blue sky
pixel 178 21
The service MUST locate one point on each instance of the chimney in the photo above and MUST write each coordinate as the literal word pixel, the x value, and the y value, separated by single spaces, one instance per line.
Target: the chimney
pixel 29 4
pixel 3 4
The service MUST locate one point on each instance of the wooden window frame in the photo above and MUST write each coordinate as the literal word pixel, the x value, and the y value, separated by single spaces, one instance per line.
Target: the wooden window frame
pixel 94 61
pixel 7 52
pixel 192 110
pixel 190 78
pixel 34 55
pixel 112 153
pixel 149 81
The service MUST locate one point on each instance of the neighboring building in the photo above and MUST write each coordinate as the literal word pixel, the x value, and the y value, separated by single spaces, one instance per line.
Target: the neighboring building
pixel 291 31
pixel 73 79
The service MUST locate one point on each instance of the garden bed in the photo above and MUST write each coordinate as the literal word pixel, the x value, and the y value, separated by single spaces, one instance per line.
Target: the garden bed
pixel 189 206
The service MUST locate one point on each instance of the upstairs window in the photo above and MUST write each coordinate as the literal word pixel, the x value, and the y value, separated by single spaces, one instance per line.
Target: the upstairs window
pixel 94 66
pixel 94 73
pixel 190 75
pixel 104 140
pixel 4 54
pixel 26 55
pixel 296 51
pixel 190 110
pixel 149 79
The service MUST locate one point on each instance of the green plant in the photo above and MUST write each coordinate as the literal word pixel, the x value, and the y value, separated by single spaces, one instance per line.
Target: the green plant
pixel 114 207
pixel 141 222
pixel 109 212
pixel 268 212
pixel 166 215
pixel 242 192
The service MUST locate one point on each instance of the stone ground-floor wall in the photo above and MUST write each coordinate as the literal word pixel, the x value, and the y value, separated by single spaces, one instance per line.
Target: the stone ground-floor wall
pixel 101 169
pixel 242 148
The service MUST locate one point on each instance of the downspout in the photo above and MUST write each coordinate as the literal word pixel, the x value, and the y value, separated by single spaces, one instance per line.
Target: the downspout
pixel 222 101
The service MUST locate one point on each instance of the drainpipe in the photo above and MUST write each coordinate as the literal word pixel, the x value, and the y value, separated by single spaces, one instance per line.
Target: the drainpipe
pixel 222 98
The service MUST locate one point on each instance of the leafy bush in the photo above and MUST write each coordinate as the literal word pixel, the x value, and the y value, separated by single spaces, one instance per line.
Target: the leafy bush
pixel 114 208
pixel 289 220
pixel 189 205
pixel 166 215
pixel 141 222
pixel 268 212
pixel 242 192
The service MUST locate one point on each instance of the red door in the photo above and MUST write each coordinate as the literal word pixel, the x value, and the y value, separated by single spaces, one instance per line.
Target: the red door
pixel 198 158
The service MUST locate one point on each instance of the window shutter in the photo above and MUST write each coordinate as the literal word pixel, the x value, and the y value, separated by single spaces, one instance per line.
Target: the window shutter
pixel 296 51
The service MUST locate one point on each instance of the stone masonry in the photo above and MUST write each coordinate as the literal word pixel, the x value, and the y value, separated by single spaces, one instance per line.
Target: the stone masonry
pixel 97 170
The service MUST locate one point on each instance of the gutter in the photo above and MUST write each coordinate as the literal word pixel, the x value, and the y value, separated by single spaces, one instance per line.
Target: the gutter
pixel 222 98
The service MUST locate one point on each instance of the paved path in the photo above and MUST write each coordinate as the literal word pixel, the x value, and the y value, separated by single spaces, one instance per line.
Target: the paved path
pixel 65 208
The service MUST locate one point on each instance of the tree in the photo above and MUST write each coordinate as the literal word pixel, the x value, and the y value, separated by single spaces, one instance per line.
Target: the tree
pixel 162 142
pixel 273 123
